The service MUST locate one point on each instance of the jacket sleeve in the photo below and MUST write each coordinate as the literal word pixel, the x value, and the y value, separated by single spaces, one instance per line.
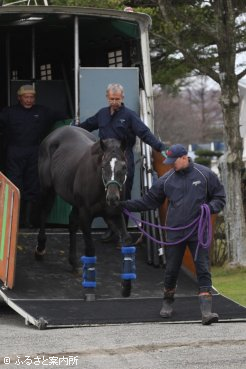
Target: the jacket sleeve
pixel 153 199
pixel 143 132
pixel 90 124
pixel 216 194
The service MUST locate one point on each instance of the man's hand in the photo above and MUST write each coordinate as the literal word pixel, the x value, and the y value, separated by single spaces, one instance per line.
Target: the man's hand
pixel 163 153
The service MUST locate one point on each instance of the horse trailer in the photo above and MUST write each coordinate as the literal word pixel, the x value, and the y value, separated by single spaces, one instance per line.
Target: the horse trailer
pixel 71 54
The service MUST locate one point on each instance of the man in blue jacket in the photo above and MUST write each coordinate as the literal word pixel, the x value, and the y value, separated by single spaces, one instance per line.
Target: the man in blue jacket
pixel 187 187
pixel 24 126
pixel 117 121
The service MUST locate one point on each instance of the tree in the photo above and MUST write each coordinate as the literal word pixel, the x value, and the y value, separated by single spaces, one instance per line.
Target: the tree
pixel 173 119
pixel 206 108
pixel 206 36
pixel 192 116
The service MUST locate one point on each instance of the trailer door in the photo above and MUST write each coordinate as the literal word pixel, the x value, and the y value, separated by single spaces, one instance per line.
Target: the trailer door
pixel 93 85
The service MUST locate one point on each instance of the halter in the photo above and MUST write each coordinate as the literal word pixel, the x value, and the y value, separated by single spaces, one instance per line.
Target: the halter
pixel 106 184
pixel 112 181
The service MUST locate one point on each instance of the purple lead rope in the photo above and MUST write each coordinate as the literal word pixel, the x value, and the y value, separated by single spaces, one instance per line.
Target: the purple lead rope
pixel 202 223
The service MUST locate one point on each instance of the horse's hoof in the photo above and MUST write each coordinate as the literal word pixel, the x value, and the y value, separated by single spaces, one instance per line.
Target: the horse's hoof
pixel 39 255
pixel 126 286
pixel 90 294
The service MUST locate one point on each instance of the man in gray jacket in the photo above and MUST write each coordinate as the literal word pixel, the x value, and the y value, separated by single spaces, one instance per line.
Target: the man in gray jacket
pixel 188 186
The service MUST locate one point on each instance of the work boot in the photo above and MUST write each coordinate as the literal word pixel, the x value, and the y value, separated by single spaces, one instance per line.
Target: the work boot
pixel 107 236
pixel 208 317
pixel 167 305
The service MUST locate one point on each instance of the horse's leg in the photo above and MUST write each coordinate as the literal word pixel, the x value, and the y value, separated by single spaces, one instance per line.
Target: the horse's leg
pixel 127 251
pixel 85 225
pixel 89 260
pixel 118 225
pixel 128 269
pixel 46 205
pixel 73 228
pixel 125 237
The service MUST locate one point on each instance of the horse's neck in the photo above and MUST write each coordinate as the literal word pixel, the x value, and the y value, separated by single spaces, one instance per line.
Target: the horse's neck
pixel 96 149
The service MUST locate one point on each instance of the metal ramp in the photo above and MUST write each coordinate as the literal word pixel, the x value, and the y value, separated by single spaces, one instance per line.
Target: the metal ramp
pixel 48 295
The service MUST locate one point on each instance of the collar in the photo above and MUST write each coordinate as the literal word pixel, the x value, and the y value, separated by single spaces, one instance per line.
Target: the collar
pixel 116 111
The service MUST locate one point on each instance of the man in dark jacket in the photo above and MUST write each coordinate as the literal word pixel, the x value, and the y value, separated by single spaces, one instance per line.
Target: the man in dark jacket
pixel 117 121
pixel 187 187
pixel 24 126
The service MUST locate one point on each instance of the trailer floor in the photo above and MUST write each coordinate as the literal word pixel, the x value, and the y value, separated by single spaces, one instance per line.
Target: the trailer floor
pixel 48 295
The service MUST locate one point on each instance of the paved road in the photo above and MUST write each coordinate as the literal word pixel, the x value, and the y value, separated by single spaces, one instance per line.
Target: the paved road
pixel 137 346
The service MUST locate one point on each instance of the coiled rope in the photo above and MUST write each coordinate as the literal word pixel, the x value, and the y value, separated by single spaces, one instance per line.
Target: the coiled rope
pixel 202 224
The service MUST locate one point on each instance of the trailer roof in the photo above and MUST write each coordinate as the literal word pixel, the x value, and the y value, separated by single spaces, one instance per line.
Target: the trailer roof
pixel 9 15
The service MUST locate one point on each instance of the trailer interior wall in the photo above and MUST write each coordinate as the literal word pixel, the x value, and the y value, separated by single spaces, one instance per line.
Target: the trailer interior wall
pixel 37 45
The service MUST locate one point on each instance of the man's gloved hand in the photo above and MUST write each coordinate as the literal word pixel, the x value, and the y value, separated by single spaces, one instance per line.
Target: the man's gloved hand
pixel 163 153
pixel 164 150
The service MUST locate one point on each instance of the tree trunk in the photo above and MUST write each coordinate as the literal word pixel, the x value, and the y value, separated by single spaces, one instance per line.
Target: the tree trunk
pixel 235 227
pixel 231 176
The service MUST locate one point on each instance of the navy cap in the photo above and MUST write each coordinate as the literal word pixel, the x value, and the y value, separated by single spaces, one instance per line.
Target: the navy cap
pixel 174 152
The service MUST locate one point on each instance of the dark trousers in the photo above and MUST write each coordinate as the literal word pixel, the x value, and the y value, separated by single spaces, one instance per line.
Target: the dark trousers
pixel 22 170
pixel 128 187
pixel 174 257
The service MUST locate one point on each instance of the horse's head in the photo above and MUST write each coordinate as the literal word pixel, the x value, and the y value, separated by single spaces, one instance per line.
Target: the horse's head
pixel 114 170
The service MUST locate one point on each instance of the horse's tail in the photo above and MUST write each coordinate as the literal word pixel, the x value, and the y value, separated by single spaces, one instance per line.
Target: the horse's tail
pixel 46 151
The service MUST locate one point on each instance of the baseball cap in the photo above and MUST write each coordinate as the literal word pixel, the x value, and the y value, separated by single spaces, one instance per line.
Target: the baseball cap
pixel 174 152
pixel 26 89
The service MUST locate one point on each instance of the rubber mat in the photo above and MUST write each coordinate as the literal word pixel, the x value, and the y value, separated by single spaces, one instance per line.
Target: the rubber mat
pixel 69 313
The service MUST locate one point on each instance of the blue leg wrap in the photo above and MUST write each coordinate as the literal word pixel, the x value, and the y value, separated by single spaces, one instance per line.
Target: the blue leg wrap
pixel 89 271
pixel 128 263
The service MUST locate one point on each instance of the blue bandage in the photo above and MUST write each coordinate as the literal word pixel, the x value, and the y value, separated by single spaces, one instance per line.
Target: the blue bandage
pixel 128 263
pixel 89 271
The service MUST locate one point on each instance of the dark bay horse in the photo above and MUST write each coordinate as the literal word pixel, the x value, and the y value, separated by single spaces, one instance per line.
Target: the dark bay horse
pixel 89 175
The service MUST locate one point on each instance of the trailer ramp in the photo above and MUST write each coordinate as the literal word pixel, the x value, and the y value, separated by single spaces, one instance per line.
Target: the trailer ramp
pixel 48 295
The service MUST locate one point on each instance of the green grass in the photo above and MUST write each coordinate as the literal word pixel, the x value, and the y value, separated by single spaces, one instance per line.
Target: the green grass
pixel 230 282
